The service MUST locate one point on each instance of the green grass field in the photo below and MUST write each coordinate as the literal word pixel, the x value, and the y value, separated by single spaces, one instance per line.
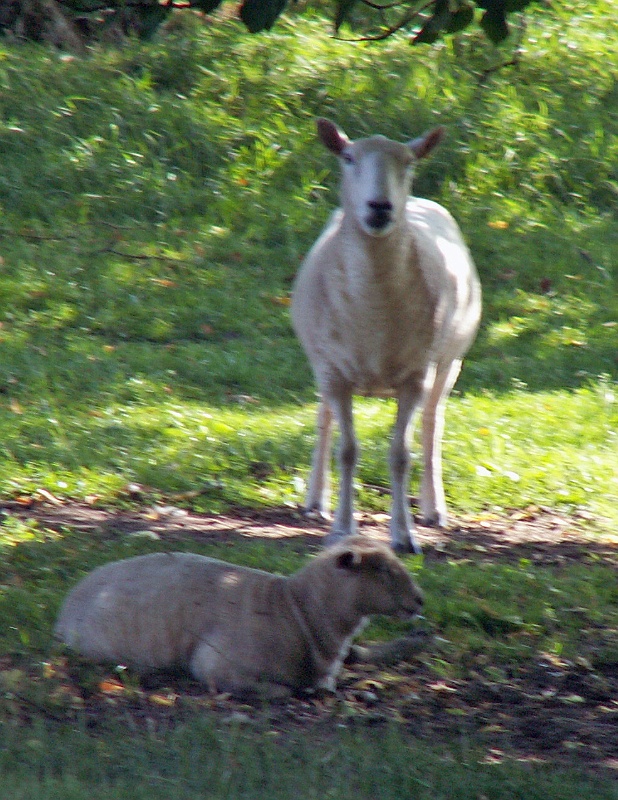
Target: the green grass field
pixel 155 203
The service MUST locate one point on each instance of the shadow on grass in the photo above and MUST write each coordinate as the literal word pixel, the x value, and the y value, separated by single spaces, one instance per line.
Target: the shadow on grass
pixel 528 705
pixel 542 538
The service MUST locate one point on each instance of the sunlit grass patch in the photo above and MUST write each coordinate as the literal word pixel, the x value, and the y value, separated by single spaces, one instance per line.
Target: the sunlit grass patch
pixel 501 451
pixel 150 238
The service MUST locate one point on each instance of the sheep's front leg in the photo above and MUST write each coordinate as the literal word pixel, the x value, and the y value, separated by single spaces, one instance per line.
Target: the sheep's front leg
pixel 402 525
pixel 318 495
pixel 344 523
pixel 433 502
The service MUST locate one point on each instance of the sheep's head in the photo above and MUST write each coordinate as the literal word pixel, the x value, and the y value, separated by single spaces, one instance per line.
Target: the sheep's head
pixel 382 585
pixel 377 174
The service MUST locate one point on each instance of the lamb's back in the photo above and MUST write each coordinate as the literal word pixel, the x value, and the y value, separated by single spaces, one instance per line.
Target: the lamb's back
pixel 149 612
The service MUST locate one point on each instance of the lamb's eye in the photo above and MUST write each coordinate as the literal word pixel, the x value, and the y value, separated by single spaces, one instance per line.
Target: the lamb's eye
pixel 348 158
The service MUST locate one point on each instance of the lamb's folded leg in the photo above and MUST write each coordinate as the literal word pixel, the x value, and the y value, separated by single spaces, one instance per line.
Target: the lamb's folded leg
pixel 387 653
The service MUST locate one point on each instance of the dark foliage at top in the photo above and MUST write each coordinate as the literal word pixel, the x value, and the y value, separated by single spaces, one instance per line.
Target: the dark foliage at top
pixel 71 23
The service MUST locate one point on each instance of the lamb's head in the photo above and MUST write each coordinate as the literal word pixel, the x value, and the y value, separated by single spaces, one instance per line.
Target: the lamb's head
pixel 377 580
pixel 377 174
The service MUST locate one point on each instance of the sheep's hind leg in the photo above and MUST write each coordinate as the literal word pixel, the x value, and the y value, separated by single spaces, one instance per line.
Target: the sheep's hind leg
pixel 402 525
pixel 432 500
pixel 344 523
pixel 318 494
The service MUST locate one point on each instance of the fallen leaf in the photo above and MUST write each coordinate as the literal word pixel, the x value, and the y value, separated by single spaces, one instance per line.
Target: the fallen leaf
pixel 49 497
pixel 165 282
pixel 494 756
pixel 49 670
pixel 369 684
pixel 573 699
pixel 280 300
pixel 163 699
pixel 110 686
pixel 442 687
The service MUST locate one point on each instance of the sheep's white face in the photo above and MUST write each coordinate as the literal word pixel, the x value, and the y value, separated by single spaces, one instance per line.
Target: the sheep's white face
pixel 377 174
pixel 376 182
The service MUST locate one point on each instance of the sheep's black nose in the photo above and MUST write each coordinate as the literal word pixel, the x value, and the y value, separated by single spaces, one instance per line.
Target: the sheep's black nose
pixel 380 213
pixel 380 205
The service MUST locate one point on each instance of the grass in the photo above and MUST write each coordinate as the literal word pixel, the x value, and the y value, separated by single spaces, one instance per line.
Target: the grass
pixel 491 617
pixel 155 203
pixel 202 762
pixel 150 237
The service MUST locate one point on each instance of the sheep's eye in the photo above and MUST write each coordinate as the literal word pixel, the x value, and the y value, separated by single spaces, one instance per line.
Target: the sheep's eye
pixel 348 158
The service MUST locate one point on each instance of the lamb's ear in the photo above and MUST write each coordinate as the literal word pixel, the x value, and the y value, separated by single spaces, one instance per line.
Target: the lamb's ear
pixel 349 559
pixel 331 136
pixel 374 561
pixel 369 561
pixel 422 146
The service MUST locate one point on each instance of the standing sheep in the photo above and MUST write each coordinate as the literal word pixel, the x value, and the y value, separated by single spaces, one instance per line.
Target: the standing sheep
pixel 387 302
pixel 237 629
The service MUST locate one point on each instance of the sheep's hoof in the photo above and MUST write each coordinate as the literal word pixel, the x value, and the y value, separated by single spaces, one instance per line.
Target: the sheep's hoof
pixel 436 519
pixel 316 514
pixel 404 548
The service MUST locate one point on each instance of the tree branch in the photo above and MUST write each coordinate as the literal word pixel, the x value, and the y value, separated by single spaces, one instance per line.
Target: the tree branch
pixel 403 22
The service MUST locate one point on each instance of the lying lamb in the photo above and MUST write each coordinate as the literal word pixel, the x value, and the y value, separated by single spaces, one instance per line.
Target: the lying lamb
pixel 238 630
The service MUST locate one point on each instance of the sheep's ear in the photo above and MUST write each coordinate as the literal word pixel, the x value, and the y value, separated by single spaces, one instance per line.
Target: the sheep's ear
pixel 422 146
pixel 331 136
pixel 349 559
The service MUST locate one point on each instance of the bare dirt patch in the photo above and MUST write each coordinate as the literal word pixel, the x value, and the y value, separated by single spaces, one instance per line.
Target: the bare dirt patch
pixel 535 533
pixel 549 709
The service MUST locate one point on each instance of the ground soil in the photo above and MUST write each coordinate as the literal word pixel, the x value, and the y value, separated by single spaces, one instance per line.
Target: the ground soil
pixel 549 710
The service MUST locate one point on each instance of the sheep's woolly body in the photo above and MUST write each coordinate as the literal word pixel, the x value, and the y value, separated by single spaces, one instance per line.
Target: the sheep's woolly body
pixel 375 328
pixel 236 629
